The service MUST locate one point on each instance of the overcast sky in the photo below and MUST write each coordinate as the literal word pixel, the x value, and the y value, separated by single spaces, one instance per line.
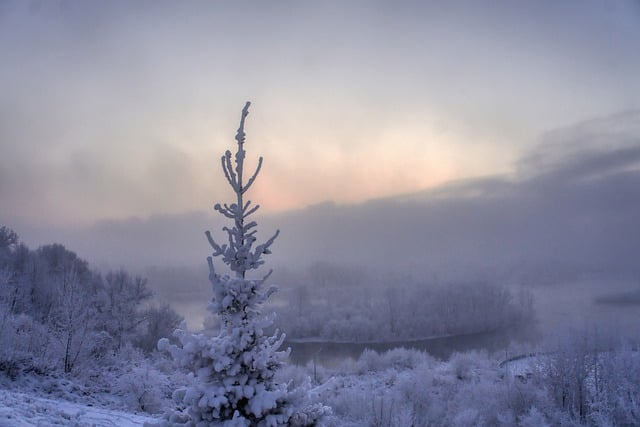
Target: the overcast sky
pixel 113 110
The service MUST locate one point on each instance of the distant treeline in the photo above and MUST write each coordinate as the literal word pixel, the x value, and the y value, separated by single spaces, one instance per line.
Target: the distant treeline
pixel 334 303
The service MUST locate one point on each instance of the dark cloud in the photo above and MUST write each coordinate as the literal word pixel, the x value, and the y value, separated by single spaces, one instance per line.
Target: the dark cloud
pixel 592 138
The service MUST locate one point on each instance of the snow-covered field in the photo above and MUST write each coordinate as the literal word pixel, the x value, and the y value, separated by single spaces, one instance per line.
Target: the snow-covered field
pixel 19 409
pixel 390 388
pixel 397 388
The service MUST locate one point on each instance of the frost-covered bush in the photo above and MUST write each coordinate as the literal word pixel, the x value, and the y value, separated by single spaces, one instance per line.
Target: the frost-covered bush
pixel 369 361
pixel 462 365
pixel 473 389
pixel 137 381
pixel 397 358
pixel 534 418
pixel 24 346
pixel 428 392
pixel 233 373
pixel 404 358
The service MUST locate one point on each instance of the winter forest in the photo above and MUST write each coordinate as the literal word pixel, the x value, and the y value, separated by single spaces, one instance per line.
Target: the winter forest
pixel 427 215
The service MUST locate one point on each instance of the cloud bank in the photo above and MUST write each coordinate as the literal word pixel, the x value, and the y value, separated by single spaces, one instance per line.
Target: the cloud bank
pixel 571 209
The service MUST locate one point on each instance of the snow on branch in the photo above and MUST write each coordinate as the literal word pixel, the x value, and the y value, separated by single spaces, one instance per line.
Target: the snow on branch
pixel 253 177
pixel 238 253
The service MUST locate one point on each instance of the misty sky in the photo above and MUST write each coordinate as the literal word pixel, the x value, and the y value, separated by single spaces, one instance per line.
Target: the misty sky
pixel 110 110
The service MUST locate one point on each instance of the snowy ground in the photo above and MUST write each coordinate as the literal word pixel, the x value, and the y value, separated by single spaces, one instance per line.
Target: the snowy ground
pixel 18 409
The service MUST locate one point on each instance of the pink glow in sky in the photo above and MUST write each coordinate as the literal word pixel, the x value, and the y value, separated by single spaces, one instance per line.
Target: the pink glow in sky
pixel 119 109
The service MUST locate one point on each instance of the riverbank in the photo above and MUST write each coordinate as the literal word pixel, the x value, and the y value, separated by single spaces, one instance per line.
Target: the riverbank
pixel 331 353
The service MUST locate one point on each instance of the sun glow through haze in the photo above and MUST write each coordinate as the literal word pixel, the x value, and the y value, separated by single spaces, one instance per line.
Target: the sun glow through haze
pixel 117 110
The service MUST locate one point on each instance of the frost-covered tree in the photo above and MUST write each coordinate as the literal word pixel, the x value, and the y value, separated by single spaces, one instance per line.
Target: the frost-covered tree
pixel 159 322
pixel 72 318
pixel 234 372
pixel 123 296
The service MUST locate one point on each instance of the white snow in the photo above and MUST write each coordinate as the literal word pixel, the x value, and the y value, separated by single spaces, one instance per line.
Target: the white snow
pixel 19 409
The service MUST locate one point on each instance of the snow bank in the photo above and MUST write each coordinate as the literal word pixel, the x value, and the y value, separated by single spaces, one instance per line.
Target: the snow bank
pixel 19 409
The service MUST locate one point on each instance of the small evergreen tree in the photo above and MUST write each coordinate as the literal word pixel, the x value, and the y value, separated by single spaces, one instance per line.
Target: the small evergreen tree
pixel 233 373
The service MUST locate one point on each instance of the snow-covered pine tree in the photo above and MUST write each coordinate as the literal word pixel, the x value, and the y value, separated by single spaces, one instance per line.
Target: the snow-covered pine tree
pixel 232 374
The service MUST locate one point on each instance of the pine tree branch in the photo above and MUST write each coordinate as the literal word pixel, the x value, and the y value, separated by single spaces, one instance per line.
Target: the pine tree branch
pixel 213 277
pixel 266 276
pixel 228 170
pixel 217 249
pixel 225 210
pixel 250 211
pixel 264 248
pixel 253 177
